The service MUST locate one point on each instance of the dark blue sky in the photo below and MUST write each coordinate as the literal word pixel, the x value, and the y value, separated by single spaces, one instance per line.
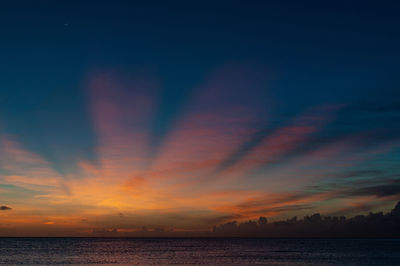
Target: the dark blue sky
pixel 185 114
pixel 300 54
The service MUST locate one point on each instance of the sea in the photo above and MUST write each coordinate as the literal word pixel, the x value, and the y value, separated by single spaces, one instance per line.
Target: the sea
pixel 198 251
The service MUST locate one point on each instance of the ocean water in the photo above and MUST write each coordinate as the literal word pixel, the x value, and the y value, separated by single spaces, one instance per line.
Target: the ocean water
pixel 199 251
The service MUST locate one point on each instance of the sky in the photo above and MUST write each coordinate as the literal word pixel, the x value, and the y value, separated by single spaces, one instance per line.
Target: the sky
pixel 186 114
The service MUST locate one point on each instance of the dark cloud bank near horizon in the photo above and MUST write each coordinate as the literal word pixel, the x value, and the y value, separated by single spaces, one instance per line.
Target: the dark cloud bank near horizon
pixel 364 226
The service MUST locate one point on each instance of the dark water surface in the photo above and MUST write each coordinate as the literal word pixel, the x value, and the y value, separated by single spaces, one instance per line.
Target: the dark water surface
pixel 133 251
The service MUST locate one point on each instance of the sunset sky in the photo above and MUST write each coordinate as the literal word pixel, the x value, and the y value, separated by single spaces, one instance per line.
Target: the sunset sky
pixel 186 114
